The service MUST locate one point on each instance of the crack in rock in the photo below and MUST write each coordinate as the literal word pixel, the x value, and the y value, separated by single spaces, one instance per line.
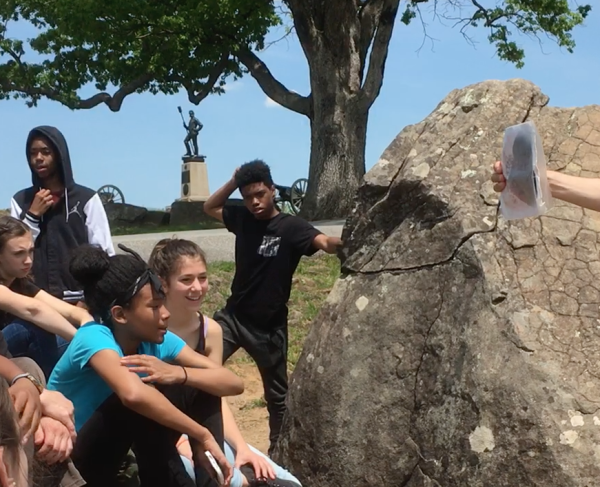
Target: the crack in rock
pixel 458 349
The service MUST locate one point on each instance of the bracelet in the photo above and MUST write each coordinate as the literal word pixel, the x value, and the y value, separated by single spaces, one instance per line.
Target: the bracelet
pixel 17 377
pixel 185 372
pixel 38 385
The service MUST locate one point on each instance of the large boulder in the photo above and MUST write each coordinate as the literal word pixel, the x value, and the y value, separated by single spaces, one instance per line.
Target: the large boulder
pixel 125 214
pixel 458 350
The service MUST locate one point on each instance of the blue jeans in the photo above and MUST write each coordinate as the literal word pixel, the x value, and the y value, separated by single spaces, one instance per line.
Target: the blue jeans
pixel 25 339
pixel 236 480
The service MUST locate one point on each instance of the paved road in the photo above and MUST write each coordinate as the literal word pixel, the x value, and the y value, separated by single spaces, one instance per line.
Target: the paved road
pixel 218 244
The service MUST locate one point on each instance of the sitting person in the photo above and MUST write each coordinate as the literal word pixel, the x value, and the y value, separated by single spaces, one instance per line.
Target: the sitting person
pixel 136 385
pixel 181 265
pixel 43 425
pixel 14 464
pixel 30 318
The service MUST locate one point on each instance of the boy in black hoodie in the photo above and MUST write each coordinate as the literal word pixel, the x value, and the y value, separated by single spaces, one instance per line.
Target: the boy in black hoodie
pixel 62 215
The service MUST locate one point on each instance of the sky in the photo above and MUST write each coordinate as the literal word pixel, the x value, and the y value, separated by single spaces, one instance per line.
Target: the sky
pixel 139 148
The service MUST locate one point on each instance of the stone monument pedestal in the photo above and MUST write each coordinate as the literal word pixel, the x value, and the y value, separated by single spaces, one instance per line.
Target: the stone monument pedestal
pixel 194 179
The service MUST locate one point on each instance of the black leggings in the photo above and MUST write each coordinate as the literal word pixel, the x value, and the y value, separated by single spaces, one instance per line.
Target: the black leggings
pixel 104 440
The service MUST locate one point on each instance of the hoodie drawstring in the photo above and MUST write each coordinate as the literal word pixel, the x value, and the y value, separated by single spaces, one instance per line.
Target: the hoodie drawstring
pixel 67 204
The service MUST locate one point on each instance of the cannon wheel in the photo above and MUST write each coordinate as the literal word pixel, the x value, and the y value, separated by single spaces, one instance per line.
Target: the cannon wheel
pixel 111 194
pixel 298 193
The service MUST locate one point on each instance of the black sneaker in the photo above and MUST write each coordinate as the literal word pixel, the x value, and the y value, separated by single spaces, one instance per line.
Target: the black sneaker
pixel 248 472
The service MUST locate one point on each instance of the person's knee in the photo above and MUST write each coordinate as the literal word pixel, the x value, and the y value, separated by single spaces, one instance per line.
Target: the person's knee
pixel 15 333
pixel 207 401
pixel 30 367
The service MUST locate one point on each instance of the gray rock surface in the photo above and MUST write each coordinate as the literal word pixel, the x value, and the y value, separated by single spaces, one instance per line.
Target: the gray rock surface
pixel 458 350
pixel 124 213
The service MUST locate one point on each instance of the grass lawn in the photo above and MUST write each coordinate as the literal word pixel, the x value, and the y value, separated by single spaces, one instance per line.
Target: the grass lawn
pixel 138 229
pixel 312 282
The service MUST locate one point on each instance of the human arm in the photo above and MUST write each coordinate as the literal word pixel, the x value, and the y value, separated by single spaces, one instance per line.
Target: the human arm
pixel 213 206
pixel 97 226
pixel 190 368
pixel 307 239
pixel 31 220
pixel 214 351
pixel 8 369
pixel 149 402
pixel 327 244
pixel 233 435
pixel 36 312
pixel 25 397
pixel 74 314
pixel 583 192
pixel 204 374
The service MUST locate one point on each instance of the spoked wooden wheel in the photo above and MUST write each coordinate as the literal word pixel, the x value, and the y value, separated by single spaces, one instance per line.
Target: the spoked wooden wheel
pixel 298 193
pixel 111 194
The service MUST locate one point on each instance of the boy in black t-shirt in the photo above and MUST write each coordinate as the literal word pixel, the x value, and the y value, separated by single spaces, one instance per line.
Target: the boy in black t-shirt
pixel 268 248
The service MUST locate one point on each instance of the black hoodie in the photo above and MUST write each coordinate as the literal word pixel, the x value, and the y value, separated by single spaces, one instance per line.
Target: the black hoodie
pixel 78 218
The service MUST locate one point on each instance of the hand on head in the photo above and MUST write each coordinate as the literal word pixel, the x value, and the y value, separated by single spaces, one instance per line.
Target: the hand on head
pixel 234 173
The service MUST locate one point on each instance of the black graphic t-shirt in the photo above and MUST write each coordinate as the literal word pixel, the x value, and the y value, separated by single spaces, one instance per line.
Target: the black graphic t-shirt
pixel 25 287
pixel 267 253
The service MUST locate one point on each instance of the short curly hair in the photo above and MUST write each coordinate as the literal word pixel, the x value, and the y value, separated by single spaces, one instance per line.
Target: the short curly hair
pixel 255 171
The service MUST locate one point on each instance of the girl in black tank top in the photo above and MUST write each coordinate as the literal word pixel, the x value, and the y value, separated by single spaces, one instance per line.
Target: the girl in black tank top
pixel 201 347
pixel 181 265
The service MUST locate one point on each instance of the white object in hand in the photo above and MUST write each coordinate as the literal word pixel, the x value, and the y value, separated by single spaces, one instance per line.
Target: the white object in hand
pixel 216 468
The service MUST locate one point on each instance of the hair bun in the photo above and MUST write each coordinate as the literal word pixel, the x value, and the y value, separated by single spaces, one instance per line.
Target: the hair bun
pixel 88 264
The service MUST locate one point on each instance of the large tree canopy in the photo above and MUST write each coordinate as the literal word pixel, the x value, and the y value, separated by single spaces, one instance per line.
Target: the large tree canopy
pixel 124 47
pixel 154 45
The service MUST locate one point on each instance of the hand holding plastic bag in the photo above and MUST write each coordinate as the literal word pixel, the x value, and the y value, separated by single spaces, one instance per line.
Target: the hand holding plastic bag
pixel 527 193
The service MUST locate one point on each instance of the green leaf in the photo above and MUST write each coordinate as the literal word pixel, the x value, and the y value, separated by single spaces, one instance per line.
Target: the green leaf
pixel 163 46
pixel 167 44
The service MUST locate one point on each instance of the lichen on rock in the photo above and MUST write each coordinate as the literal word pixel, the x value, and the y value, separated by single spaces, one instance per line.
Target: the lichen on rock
pixel 457 348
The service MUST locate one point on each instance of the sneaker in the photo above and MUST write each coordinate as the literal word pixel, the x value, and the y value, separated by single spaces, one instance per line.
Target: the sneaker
pixel 248 472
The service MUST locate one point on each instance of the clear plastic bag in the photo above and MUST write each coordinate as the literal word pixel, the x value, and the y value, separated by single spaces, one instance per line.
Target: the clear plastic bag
pixel 527 193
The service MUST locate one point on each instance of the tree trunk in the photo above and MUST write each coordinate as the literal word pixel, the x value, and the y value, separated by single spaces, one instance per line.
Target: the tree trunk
pixel 335 37
pixel 337 154
pixel 338 111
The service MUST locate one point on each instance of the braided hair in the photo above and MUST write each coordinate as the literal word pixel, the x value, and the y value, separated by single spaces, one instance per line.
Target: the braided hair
pixel 110 280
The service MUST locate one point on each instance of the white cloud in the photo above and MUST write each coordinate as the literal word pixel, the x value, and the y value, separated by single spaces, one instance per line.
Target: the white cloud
pixel 270 103
pixel 273 104
pixel 235 85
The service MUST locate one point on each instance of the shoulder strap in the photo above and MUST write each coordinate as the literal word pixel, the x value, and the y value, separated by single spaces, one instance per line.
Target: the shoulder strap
pixel 202 338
